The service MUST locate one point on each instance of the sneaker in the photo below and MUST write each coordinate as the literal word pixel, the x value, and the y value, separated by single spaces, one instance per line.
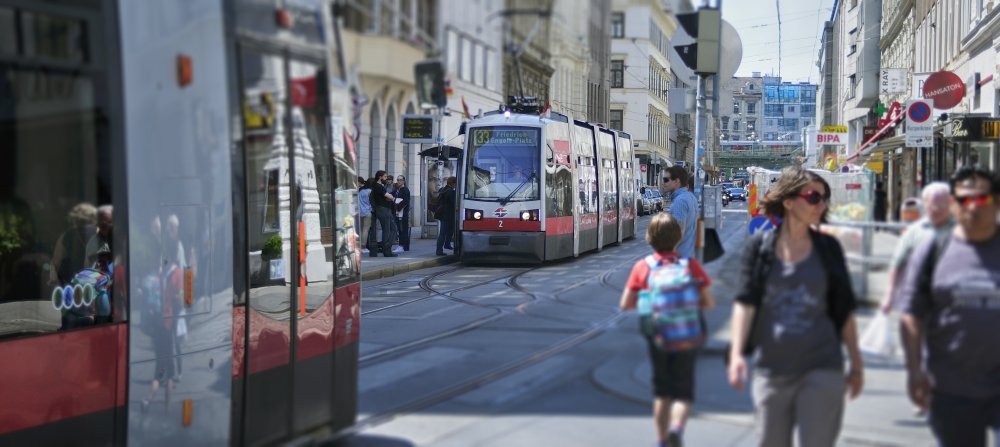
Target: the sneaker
pixel 365 251
pixel 674 440
pixel 397 250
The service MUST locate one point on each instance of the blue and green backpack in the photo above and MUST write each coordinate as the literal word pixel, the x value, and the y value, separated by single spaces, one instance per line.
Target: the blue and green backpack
pixel 668 309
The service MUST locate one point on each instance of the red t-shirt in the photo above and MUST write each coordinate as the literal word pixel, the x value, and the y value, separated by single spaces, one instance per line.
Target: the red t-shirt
pixel 639 279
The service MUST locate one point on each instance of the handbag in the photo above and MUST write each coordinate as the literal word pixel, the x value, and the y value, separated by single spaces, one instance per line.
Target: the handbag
pixel 713 246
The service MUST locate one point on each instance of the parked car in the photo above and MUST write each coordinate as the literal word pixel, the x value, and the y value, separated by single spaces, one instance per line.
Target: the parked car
pixel 643 205
pixel 656 198
pixel 737 194
pixel 655 201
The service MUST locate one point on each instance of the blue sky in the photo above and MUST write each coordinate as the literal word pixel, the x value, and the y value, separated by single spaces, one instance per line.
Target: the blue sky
pixel 801 26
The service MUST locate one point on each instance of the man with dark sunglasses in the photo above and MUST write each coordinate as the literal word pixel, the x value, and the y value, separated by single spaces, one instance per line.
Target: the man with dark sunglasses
pixel 951 305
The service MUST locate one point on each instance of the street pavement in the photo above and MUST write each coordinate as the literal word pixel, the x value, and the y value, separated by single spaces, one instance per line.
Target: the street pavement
pixel 594 393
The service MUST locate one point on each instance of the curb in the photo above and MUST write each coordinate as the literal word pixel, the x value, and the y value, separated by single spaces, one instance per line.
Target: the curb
pixel 390 271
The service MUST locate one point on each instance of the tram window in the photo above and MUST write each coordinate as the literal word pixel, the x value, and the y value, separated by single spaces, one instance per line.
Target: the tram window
pixel 57 256
pixel 504 162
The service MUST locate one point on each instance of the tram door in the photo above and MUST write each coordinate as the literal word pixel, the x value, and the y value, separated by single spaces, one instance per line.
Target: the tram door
pixel 287 380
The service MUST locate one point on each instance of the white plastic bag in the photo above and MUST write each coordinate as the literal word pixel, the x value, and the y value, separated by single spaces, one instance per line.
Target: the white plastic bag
pixel 879 338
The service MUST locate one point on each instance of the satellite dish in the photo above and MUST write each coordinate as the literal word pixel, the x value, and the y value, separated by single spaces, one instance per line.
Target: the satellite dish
pixel 730 53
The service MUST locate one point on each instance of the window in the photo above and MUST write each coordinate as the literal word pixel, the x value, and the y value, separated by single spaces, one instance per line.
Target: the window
pixel 736 107
pixel 618 25
pixel 791 109
pixel 851 83
pixel 490 67
pixel 616 119
pixel 617 74
pixel 479 65
pixel 751 125
pixel 736 125
pixel 751 108
pixel 725 123
pixel 854 49
pixel 57 236
pixel 466 61
pixel 453 52
pixel 770 135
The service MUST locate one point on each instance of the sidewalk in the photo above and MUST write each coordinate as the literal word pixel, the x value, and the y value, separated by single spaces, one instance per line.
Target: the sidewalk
pixel 420 256
pixel 882 415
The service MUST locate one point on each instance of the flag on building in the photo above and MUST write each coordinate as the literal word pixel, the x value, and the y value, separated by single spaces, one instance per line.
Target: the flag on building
pixel 548 106
pixel 465 107
pixel 447 87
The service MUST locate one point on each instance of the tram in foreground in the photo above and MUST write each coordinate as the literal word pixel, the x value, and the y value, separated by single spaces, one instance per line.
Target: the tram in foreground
pixel 538 188
pixel 178 263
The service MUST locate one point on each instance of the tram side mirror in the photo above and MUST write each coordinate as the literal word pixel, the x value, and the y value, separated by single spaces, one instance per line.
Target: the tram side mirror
pixel 461 129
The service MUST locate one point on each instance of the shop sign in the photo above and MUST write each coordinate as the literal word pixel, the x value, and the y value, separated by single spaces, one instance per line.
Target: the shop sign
pixel 831 138
pixel 835 129
pixel 870 131
pixel 944 89
pixel 642 168
pixel 894 81
pixel 974 128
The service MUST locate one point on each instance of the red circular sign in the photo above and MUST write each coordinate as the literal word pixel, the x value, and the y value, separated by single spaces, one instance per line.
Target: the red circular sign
pixel 945 89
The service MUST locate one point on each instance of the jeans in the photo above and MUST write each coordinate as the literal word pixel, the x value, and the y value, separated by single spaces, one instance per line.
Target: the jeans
pixel 962 421
pixel 403 223
pixel 445 230
pixel 366 229
pixel 384 218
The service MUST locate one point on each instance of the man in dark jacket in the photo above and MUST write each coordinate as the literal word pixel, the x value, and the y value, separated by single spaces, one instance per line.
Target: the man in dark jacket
pixel 403 212
pixel 382 205
pixel 446 218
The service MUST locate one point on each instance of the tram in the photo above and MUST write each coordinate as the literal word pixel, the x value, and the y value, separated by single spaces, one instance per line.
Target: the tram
pixel 543 187
pixel 178 263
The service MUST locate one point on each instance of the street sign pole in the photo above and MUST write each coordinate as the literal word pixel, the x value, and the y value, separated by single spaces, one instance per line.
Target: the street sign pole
pixel 699 182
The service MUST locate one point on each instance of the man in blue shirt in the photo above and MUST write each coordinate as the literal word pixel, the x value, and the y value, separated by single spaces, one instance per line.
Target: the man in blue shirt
pixel 683 206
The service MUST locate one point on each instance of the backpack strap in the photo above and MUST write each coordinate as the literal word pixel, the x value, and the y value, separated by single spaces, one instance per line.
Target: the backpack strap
pixel 925 281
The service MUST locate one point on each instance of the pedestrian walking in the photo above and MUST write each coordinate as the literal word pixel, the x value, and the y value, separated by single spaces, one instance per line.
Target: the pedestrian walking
pixel 669 291
pixel 382 207
pixel 794 312
pixel 446 216
pixel 936 223
pixel 951 306
pixel 880 207
pixel 365 210
pixel 683 206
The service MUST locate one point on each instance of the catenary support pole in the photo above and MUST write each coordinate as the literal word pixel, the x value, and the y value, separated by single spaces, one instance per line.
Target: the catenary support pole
pixel 699 181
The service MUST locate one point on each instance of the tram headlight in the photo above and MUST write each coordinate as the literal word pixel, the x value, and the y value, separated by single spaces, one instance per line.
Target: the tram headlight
pixel 473 214
pixel 529 215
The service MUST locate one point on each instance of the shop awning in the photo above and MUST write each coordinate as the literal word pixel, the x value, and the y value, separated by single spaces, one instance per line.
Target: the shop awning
pixel 895 121
pixel 887 145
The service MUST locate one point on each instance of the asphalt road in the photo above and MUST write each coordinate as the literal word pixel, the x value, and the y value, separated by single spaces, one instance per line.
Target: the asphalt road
pixel 528 355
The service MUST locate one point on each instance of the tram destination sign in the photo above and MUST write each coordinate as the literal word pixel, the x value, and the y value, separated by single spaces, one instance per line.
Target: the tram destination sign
pixel 418 129
pixel 489 135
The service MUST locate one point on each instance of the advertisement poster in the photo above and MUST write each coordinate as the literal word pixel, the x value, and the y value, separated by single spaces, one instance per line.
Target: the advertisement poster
pixel 437 174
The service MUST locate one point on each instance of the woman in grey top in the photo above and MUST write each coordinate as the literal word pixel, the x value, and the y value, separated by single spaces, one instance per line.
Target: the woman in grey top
pixel 793 315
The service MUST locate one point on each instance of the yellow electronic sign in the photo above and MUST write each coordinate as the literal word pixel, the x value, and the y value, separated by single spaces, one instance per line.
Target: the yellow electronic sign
pixel 834 129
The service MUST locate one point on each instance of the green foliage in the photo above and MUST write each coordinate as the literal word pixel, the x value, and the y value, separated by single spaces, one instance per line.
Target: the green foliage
pixel 272 247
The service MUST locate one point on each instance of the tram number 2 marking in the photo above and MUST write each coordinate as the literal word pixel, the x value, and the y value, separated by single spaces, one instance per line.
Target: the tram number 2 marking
pixel 501 223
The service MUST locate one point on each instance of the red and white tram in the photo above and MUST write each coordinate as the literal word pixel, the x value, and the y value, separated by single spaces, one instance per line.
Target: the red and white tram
pixel 177 250
pixel 538 188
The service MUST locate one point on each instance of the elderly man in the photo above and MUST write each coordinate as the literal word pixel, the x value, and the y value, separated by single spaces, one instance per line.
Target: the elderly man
pixel 935 223
pixel 99 246
pixel 951 305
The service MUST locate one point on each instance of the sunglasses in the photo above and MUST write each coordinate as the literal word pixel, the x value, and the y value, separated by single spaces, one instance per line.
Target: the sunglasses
pixel 979 200
pixel 667 179
pixel 813 197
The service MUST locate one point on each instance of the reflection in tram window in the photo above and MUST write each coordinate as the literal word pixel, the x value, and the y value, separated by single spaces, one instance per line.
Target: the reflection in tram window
pixel 56 221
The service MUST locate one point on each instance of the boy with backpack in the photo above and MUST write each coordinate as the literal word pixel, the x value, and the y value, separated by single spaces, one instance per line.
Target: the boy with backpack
pixel 670 291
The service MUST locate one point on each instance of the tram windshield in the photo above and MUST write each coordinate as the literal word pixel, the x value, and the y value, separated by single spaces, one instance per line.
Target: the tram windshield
pixel 504 163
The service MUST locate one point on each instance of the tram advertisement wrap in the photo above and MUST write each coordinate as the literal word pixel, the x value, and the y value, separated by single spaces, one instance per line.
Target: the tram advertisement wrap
pixel 437 173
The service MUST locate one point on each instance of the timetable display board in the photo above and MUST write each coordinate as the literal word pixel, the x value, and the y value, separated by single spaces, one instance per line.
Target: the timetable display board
pixel 418 129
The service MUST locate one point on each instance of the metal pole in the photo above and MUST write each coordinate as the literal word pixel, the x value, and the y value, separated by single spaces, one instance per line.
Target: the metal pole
pixel 699 137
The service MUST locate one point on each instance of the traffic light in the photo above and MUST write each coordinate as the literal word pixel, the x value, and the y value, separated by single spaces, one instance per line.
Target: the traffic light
pixel 705 27
pixel 429 77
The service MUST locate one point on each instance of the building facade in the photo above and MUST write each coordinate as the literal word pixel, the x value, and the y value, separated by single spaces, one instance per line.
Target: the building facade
pixel 787 109
pixel 580 47
pixel 641 80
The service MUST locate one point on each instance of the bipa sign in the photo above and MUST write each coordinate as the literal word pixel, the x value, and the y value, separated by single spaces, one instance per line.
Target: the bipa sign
pixel 831 138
